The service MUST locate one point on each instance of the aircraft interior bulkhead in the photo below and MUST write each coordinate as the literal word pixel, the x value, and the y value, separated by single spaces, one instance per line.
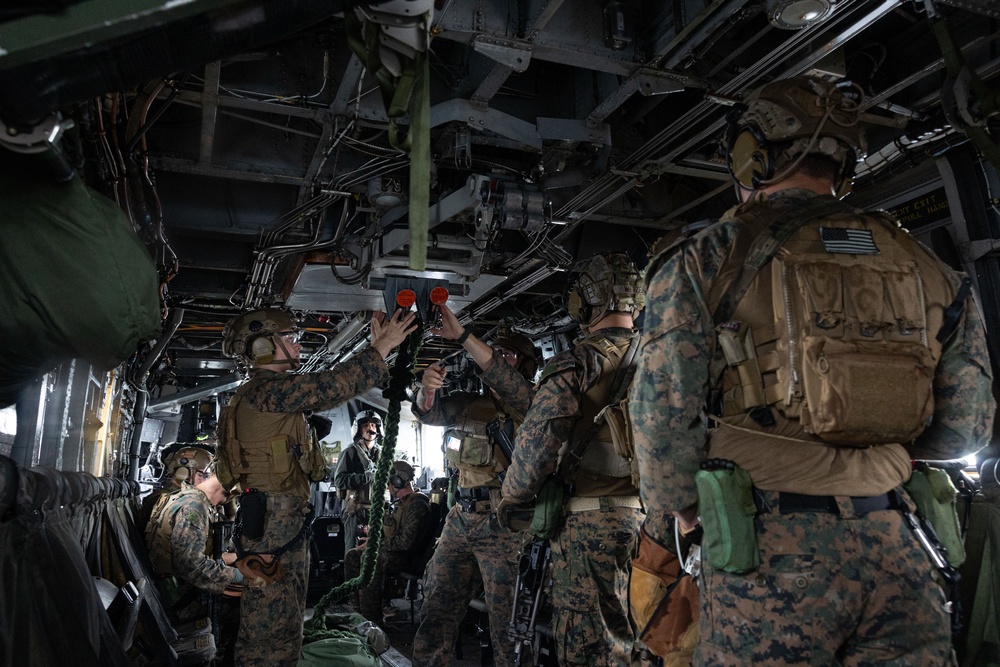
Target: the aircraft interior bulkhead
pixel 168 166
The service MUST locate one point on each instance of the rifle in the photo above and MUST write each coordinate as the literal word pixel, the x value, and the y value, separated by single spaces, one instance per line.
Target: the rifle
pixel 503 435
pixel 529 593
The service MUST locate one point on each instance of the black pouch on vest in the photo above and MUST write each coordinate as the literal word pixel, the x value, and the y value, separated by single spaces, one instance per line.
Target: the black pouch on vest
pixel 253 508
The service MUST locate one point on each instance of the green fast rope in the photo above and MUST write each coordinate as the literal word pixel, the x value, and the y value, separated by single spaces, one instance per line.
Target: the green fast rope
pixel 399 380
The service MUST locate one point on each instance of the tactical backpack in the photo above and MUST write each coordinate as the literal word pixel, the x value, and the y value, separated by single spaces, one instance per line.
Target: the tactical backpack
pixel 851 354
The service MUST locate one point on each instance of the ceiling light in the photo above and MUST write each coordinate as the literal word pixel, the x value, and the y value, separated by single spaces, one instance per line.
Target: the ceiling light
pixel 796 14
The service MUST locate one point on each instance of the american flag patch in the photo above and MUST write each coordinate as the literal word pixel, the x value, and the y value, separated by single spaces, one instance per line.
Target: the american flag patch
pixel 848 241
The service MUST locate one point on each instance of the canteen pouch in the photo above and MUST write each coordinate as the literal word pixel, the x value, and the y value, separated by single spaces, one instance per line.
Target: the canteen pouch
pixel 253 509
pixel 936 498
pixel 726 508
pixel 548 510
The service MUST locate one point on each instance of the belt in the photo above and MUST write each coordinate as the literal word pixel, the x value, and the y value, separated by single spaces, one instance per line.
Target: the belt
pixel 603 503
pixel 474 493
pixel 477 506
pixel 789 503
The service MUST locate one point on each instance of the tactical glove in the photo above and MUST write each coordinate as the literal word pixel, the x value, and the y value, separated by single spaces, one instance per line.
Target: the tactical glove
pixel 259 570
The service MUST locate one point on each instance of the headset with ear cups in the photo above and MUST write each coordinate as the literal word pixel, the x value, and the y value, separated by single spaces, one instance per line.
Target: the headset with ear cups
pixel 262 349
pixel 749 156
pixel 397 481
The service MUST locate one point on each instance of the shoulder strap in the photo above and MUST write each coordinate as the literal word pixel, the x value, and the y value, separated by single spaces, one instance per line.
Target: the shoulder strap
pixel 766 245
pixel 623 378
pixel 953 313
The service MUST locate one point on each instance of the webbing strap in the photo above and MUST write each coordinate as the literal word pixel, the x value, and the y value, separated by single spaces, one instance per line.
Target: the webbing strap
pixel 623 378
pixel 420 167
pixel 397 92
pixel 953 313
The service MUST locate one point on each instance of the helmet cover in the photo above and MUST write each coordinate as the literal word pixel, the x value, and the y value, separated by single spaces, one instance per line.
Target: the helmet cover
pixel 608 282
pixel 242 330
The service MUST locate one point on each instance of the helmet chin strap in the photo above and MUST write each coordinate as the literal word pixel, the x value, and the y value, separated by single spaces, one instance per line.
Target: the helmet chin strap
pixel 293 364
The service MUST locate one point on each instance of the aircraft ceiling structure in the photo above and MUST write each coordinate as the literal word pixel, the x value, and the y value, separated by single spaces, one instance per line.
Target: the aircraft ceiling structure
pixel 249 144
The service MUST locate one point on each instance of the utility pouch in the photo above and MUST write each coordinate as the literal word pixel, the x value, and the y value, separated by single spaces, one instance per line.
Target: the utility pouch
pixel 253 509
pixel 619 422
pixel 936 498
pixel 548 510
pixel 846 390
pixel 726 508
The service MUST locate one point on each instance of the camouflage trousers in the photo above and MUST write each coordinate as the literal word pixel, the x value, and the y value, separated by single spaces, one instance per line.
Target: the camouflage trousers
pixel 591 563
pixel 832 589
pixel 369 600
pixel 469 543
pixel 271 617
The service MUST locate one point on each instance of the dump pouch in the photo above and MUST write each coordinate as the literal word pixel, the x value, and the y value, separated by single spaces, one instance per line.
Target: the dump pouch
pixel 726 507
pixel 548 510
pixel 936 498
pixel 253 509
pixel 663 601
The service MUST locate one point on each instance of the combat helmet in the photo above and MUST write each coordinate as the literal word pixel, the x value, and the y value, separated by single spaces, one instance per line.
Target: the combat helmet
pixel 529 356
pixel 608 282
pixel 249 335
pixel 781 122
pixel 181 460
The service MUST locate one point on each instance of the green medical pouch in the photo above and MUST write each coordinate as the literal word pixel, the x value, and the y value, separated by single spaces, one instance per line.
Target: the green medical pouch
pixel 936 500
pixel 548 510
pixel 726 508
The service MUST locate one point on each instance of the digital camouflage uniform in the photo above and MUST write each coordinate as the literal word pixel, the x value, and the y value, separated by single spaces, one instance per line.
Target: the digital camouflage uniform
pixel 592 554
pixel 271 617
pixel 833 587
pixel 353 477
pixel 404 528
pixel 177 543
pixel 170 482
pixel 472 540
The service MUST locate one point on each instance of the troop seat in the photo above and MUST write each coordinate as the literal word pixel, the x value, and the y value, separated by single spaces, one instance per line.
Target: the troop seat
pixel 79 571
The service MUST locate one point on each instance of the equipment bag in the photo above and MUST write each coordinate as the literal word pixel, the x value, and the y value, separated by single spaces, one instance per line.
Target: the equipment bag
pixel 725 503
pixel 344 650
pixel 76 282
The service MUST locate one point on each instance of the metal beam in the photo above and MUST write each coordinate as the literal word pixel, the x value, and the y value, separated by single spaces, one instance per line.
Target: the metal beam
pixel 211 388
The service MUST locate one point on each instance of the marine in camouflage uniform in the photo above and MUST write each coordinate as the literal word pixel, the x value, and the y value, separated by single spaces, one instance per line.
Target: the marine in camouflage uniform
pixel 841 580
pixel 265 444
pixel 406 530
pixel 472 540
pixel 177 542
pixel 592 553
pixel 184 464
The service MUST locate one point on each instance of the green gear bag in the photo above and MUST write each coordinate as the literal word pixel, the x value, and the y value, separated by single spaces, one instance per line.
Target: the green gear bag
pixel 76 282
pixel 936 499
pixel 727 510
pixel 343 650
